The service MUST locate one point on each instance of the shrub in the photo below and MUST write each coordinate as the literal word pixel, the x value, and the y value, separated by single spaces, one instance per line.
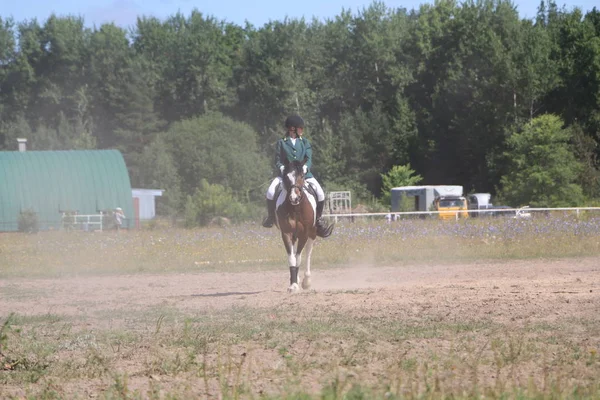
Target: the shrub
pixel 28 221
pixel 212 201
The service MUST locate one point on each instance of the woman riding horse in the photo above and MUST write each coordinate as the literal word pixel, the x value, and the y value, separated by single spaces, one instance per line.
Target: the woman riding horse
pixel 293 147
pixel 296 221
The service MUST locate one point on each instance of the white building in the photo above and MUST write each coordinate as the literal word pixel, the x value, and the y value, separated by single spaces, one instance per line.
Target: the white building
pixel 144 201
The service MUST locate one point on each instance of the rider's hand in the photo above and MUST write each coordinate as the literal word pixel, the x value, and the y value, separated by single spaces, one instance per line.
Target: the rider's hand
pixel 305 168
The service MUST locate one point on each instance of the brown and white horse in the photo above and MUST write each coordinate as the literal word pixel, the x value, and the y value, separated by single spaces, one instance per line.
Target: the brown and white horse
pixel 296 207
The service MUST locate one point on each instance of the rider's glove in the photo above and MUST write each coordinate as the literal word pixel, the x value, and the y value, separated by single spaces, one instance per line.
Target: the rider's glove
pixel 304 168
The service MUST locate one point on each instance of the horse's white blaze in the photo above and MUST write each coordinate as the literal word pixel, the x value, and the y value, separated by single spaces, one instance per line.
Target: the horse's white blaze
pixel 292 177
pixel 294 197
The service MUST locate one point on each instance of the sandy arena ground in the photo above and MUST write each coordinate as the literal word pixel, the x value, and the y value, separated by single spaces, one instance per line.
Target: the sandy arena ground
pixel 541 289
pixel 510 293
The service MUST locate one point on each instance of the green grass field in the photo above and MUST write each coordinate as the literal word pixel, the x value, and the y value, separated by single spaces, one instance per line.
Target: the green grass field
pixel 52 254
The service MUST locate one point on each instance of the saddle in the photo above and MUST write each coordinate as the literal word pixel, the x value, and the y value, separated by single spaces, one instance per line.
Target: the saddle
pixel 322 230
pixel 308 186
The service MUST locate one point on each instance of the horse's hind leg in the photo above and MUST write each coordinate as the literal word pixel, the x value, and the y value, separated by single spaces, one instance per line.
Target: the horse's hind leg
pixel 306 281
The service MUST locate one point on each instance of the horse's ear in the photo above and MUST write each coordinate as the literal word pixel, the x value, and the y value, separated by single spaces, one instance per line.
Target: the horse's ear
pixel 305 160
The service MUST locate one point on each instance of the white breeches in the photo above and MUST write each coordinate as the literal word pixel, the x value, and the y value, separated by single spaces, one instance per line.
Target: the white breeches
pixel 273 187
pixel 312 181
pixel 318 188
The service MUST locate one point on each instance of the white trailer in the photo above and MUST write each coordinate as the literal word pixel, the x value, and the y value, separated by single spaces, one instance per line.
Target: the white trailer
pixel 421 198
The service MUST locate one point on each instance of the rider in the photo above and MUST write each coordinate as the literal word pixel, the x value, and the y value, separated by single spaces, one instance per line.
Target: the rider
pixel 294 147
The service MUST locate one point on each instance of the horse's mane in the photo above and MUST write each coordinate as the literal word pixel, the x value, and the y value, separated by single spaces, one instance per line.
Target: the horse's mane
pixel 294 166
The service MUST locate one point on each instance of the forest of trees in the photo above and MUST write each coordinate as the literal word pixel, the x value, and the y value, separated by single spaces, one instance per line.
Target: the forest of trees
pixel 465 93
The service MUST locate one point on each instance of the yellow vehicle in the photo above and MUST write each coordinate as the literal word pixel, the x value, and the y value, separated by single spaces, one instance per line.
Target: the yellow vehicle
pixel 451 207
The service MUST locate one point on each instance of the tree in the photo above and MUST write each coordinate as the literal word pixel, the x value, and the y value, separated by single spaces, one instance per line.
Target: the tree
pixel 190 61
pixel 61 72
pixel 398 175
pixel 210 201
pixel 220 150
pixel 576 96
pixel 270 80
pixel 16 127
pixel 586 152
pixel 543 169
pixel 157 170
pixel 19 79
pixel 122 101
pixel 7 55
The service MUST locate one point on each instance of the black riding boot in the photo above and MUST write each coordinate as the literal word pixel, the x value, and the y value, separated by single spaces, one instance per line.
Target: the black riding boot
pixel 270 219
pixel 323 230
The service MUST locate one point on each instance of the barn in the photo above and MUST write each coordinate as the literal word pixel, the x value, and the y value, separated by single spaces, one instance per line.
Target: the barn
pixel 50 183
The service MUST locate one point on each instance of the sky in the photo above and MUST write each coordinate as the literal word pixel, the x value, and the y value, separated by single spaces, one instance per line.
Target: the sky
pixel 257 12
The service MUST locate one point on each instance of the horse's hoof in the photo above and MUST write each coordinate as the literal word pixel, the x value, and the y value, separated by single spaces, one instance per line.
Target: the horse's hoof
pixel 294 288
pixel 306 283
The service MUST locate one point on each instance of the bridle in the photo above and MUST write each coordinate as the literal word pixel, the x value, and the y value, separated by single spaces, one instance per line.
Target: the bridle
pixel 299 193
pixel 298 190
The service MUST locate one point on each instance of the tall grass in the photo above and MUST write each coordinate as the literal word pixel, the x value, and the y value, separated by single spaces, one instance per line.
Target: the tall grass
pixel 235 248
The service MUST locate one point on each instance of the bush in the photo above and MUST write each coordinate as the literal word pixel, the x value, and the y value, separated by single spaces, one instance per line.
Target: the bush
pixel 108 219
pixel 210 202
pixel 398 175
pixel 28 222
pixel 158 223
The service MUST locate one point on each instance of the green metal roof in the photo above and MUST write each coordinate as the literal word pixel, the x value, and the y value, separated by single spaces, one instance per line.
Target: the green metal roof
pixel 48 181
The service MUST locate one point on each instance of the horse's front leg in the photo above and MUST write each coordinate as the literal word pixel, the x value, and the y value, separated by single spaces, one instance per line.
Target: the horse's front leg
pixel 305 243
pixel 292 262
pixel 309 248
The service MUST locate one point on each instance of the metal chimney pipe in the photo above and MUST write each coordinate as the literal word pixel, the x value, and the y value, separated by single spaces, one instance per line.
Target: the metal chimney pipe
pixel 22 144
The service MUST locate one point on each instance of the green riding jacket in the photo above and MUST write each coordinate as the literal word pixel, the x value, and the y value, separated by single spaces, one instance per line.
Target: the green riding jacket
pixel 286 150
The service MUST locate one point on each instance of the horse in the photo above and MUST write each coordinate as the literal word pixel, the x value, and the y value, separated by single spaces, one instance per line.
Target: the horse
pixel 295 218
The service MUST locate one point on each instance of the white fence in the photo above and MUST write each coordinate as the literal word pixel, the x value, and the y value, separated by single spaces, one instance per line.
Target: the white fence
pixel 84 222
pixel 523 212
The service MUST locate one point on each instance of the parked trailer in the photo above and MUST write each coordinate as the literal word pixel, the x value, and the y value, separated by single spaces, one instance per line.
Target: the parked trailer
pixel 421 198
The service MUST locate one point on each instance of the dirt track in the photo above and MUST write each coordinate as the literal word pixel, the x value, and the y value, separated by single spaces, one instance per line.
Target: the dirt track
pixel 506 291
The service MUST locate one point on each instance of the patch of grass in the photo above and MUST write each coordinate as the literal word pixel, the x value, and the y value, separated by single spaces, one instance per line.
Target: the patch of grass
pixel 234 248
pixel 36 319
pixel 405 359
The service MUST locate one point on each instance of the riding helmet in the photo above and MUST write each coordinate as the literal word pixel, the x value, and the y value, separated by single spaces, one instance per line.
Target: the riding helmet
pixel 295 121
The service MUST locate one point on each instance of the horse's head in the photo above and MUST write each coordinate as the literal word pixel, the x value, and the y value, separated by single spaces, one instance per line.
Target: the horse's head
pixel 293 180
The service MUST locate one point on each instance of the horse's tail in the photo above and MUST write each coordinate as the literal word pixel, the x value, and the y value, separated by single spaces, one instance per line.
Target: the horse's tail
pixel 327 231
